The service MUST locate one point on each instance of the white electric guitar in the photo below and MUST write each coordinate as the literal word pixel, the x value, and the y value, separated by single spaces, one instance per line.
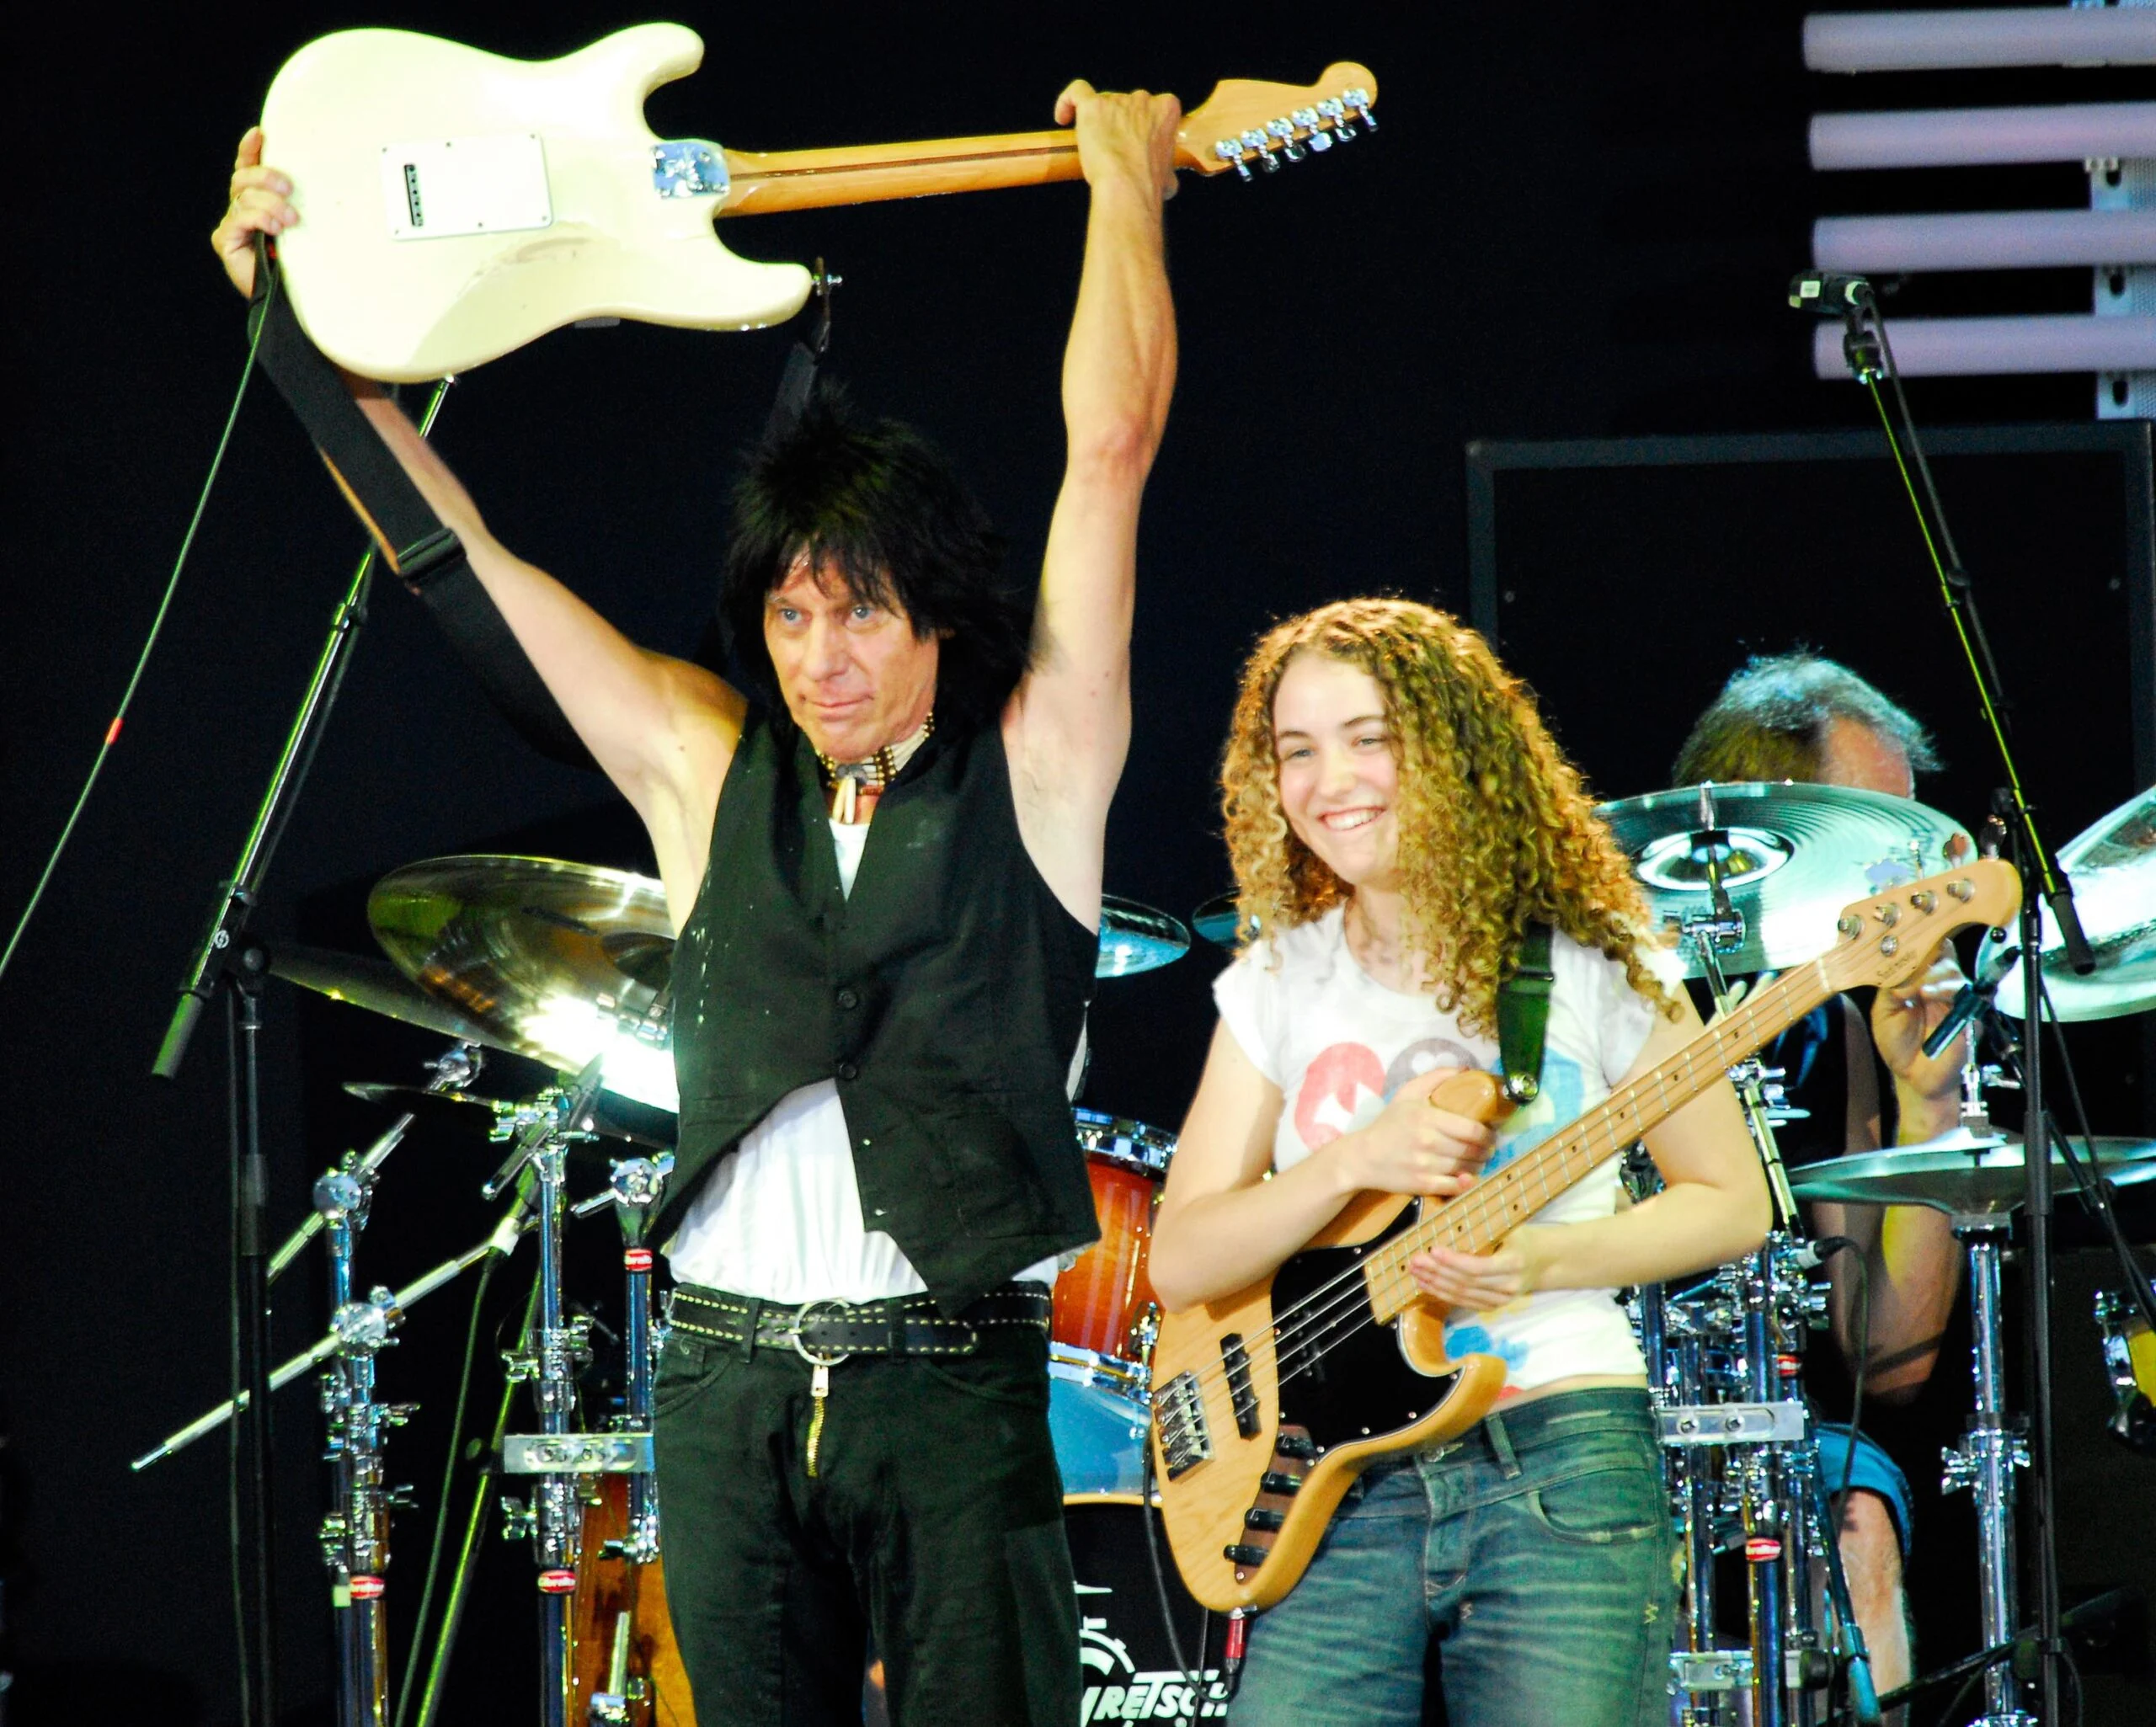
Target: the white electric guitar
pixel 455 204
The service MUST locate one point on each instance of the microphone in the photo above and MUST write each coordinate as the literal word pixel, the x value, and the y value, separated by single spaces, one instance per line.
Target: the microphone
pixel 1974 999
pixel 1833 293
pixel 1810 1254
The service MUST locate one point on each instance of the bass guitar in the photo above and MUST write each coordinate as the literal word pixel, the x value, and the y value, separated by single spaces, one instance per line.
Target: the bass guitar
pixel 1268 1403
pixel 455 205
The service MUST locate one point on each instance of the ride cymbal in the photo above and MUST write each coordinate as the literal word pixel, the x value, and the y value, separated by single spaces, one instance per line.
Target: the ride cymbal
pixel 1961 1172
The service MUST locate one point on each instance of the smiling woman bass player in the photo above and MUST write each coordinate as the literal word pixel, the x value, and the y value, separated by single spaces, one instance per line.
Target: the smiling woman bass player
pixel 1397 818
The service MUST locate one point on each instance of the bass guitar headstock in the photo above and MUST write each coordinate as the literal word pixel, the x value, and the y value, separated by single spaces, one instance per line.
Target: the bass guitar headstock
pixel 1890 938
pixel 1246 122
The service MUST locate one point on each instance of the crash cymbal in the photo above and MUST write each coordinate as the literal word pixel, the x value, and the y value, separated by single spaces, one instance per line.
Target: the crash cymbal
pixel 1960 1172
pixel 2112 867
pixel 1135 938
pixel 1791 857
pixel 463 1106
pixel 1217 920
pixel 556 961
pixel 367 981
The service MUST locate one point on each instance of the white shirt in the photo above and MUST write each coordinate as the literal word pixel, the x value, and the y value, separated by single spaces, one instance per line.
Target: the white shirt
pixel 1339 1044
pixel 781 1218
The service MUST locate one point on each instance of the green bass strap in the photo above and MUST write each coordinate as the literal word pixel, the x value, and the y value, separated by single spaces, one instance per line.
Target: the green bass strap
pixel 1524 1016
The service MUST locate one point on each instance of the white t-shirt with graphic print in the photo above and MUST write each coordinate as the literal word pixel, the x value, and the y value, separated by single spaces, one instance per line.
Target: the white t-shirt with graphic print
pixel 1339 1044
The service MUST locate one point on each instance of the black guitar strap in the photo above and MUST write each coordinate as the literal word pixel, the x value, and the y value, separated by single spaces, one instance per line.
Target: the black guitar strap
pixel 1524 1016
pixel 409 537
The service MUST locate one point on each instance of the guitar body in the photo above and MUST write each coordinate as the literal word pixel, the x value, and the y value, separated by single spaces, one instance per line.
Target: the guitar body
pixel 1357 1390
pixel 410 261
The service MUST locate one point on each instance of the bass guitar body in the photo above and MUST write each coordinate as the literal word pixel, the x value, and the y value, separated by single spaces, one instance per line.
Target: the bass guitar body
pixel 1258 1436
pixel 455 205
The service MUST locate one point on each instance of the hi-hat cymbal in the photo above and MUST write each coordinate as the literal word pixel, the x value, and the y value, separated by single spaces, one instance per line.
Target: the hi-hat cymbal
pixel 1960 1172
pixel 556 961
pixel 1135 938
pixel 2112 868
pixel 1791 857
pixel 463 1106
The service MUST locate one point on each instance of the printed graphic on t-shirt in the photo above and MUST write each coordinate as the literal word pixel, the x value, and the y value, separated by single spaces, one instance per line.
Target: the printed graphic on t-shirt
pixel 1347 1087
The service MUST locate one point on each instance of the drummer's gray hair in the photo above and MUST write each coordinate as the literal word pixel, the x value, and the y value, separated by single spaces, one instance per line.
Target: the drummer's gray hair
pixel 1772 719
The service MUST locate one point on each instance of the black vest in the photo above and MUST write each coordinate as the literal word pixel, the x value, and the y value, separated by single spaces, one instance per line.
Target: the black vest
pixel 945 996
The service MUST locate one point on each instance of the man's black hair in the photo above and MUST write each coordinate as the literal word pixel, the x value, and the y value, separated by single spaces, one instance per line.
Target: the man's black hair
pixel 873 500
pixel 1772 719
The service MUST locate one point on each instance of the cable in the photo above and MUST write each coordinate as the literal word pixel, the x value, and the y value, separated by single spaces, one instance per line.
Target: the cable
pixel 418 1633
pixel 1194 1677
pixel 142 665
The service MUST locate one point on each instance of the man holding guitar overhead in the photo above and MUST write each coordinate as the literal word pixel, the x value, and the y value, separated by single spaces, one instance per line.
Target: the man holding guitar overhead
pixel 876 1166
pixel 1399 821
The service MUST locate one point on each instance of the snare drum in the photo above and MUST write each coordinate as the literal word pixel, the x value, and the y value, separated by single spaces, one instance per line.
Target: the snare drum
pixel 1106 1296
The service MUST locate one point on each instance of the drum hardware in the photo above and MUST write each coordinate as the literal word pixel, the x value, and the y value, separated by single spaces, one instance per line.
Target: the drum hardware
pixel 354 1533
pixel 2130 1360
pixel 510 1115
pixel 548 1357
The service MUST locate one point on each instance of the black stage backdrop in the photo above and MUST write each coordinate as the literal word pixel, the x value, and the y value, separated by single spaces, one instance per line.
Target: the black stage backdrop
pixel 1575 222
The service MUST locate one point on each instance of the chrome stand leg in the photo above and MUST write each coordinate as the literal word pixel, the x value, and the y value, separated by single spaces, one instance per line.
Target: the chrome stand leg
pixel 1985 1460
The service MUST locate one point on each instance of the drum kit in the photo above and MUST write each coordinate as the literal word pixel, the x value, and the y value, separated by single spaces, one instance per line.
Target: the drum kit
pixel 1745 876
pixel 567 963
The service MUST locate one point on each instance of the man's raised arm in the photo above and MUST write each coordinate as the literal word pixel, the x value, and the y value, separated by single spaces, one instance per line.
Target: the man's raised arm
pixel 1068 725
pixel 661 729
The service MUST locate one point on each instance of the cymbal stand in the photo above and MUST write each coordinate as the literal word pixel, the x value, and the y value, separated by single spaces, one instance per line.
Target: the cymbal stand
pixel 635 1190
pixel 1774 1541
pixel 356 1532
pixel 550 1355
pixel 1991 1450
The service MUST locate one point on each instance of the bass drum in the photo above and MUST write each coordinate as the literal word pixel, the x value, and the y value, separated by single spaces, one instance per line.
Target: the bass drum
pixel 1131 1670
pixel 621 1609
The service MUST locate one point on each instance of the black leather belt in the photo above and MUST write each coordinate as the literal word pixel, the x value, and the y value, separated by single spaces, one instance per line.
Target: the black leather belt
pixel 831 1330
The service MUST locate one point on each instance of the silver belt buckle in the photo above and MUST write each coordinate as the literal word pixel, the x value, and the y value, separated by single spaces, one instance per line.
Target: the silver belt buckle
pixel 816 1357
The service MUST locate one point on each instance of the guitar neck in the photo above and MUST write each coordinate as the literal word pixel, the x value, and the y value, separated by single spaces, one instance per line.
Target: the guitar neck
pixel 812 179
pixel 1481 1218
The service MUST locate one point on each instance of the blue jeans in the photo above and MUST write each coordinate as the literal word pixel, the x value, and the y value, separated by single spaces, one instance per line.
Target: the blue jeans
pixel 1537 1548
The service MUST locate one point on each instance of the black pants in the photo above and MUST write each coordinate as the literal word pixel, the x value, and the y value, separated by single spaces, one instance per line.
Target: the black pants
pixel 934 1522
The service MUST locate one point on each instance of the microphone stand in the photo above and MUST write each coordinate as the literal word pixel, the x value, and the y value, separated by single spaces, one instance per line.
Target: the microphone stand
pixel 227 960
pixel 1870 355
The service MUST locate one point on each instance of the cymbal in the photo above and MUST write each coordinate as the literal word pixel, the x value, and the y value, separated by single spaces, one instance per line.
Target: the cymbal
pixel 367 981
pixel 2112 867
pixel 462 1105
pixel 1960 1172
pixel 1795 855
pixel 1135 938
pixel 1218 920
pixel 553 960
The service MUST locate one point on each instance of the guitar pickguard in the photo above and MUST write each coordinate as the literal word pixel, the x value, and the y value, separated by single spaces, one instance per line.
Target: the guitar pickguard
pixel 1343 1376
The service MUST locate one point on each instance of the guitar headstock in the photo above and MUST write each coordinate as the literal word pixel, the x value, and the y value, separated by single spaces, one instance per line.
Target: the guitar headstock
pixel 1246 121
pixel 1889 939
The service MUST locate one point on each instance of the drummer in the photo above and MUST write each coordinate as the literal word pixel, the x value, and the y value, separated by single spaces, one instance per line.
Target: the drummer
pixel 878 1169
pixel 1866 1083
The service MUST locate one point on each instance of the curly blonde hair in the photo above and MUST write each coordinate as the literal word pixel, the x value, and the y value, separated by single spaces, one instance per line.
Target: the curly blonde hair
pixel 1496 827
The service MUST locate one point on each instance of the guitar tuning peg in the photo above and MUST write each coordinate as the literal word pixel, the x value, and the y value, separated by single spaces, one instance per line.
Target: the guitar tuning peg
pixel 1334 109
pixel 1230 151
pixel 1257 141
pixel 1319 140
pixel 1285 130
pixel 1359 100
